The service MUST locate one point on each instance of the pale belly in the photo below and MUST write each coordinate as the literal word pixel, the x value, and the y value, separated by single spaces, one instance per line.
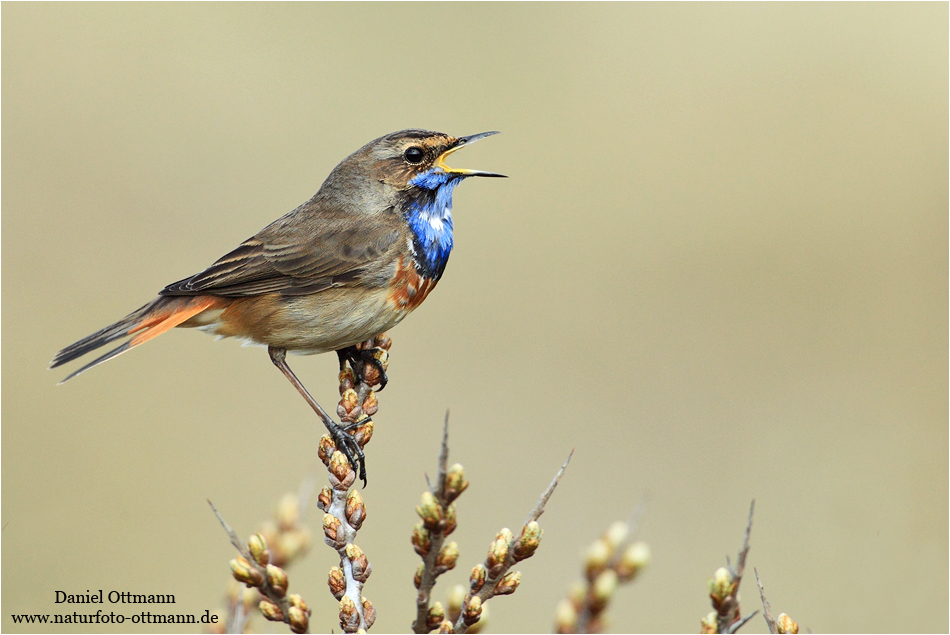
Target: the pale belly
pixel 306 325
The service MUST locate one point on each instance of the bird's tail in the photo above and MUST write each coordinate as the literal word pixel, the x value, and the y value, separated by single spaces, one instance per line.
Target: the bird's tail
pixel 153 319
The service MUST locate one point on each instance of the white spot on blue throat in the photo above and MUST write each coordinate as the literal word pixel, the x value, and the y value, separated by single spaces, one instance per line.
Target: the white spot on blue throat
pixel 430 217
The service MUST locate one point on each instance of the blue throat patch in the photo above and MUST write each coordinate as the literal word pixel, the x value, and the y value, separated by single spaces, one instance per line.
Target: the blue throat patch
pixel 430 217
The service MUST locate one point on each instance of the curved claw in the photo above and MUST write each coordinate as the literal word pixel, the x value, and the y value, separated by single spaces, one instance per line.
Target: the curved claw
pixel 358 359
pixel 346 444
pixel 383 377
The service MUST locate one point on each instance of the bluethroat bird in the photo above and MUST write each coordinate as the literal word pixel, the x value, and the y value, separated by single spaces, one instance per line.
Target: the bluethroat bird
pixel 345 266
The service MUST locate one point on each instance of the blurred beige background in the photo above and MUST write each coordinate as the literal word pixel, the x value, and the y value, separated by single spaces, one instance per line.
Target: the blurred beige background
pixel 718 271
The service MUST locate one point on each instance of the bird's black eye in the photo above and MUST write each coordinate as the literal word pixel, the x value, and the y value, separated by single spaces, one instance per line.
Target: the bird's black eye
pixel 414 154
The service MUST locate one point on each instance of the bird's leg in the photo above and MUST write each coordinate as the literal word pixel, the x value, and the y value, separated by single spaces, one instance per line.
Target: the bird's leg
pixel 359 358
pixel 344 442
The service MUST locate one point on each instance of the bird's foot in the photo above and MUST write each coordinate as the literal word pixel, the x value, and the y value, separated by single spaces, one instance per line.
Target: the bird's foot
pixel 349 446
pixel 366 365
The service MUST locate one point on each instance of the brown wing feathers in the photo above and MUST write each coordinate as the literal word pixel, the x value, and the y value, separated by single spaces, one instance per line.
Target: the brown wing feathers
pixel 270 262
pixel 244 271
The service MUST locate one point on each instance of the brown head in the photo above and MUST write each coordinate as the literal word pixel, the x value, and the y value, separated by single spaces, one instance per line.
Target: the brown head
pixel 396 163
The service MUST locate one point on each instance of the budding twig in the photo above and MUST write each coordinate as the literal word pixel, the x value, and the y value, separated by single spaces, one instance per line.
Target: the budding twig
pixel 260 566
pixel 724 591
pixel 344 508
pixel 437 511
pixel 493 578
pixel 438 521
pixel 255 569
pixel 612 559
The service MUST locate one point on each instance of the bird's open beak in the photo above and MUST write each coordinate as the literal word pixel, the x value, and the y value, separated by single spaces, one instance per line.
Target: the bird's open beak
pixel 462 142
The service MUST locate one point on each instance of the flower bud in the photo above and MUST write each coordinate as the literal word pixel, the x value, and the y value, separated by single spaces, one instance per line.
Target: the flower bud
pixel 635 558
pixel 271 611
pixel 371 376
pixel 436 616
pixel 355 509
pixel 603 588
pixel 430 511
pixel 337 582
pixel 296 600
pixel 242 571
pixel 257 545
pixel 277 580
pixel 364 432
pixel 450 521
pixel 349 402
pixel 325 449
pixel 528 541
pixel 299 621
pixel 417 579
pixel 371 403
pixel 598 554
pixel 482 622
pixel 477 578
pixel 421 539
pixel 361 566
pixel 616 534
pixel 785 624
pixel 369 613
pixel 709 624
pixel 565 617
pixel 455 482
pixel 349 616
pixel 341 474
pixel 448 556
pixel 446 627
pixel 577 594
pixel 472 610
pixel 498 552
pixel 325 499
pixel 333 531
pixel 508 584
pixel 721 586
pixel 347 379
